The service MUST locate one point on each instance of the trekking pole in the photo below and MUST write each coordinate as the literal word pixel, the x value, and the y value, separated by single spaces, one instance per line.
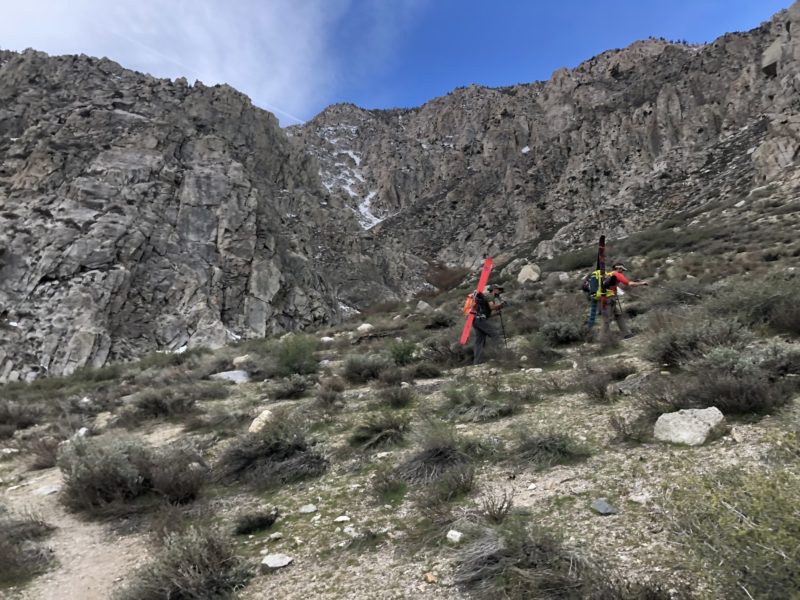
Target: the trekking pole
pixel 661 287
pixel 503 329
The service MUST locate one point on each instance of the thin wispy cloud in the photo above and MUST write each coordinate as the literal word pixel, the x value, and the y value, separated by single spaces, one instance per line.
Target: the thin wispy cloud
pixel 284 54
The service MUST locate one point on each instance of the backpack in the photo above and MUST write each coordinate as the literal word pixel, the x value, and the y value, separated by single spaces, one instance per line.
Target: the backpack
pixel 469 304
pixel 591 284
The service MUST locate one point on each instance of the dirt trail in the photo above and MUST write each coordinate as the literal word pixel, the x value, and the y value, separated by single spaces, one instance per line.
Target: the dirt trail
pixel 90 561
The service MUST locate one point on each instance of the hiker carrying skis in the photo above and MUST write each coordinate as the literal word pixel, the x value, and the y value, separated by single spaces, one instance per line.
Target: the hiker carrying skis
pixel 485 304
pixel 613 309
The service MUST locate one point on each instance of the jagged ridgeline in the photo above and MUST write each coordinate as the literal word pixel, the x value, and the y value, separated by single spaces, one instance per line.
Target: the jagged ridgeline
pixel 141 214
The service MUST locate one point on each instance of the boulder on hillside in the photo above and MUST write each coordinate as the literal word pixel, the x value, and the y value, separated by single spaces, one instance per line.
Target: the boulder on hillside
pixel 529 274
pixel 261 421
pixel 692 427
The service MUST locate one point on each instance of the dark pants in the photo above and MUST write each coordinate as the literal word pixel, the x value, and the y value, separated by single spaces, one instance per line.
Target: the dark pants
pixel 483 329
pixel 614 311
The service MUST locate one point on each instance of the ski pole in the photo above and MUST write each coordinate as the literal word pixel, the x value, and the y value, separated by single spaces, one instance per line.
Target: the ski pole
pixel 661 287
pixel 503 329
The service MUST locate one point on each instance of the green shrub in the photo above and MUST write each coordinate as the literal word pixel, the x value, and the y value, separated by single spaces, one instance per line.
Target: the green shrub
pixel 199 563
pixel 296 355
pixel 20 556
pixel 744 528
pixel 289 388
pixel 278 454
pixel 380 431
pixel 402 353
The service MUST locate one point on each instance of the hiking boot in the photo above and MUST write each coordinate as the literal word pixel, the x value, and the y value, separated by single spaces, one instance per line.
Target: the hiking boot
pixel 628 336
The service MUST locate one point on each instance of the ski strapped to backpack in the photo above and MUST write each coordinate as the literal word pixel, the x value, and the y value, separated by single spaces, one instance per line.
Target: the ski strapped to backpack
pixel 597 284
pixel 469 304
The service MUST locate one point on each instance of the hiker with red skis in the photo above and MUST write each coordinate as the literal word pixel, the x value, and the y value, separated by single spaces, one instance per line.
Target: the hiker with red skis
pixel 485 305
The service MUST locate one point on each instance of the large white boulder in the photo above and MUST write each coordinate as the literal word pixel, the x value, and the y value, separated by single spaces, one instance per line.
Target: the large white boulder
pixel 261 421
pixel 692 427
pixel 529 274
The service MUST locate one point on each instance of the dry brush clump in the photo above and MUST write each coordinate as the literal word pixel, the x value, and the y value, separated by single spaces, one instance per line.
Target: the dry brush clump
pixel 196 564
pixel 278 454
pixel 544 449
pixel 518 561
pixel 255 521
pixel 383 430
pixel 470 403
pixel 440 450
pixel 21 557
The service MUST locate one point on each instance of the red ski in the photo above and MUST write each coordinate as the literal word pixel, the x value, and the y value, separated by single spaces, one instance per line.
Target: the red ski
pixel 487 268
pixel 601 266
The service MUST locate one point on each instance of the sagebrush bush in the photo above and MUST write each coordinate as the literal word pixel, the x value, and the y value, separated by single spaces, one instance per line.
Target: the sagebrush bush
pixel 771 303
pixel 445 351
pixel 380 431
pixel 361 369
pixel 104 475
pixel 454 484
pixel 20 556
pixel 252 522
pixel 561 333
pixel 539 352
pixel 679 339
pixel 289 388
pixel 17 415
pixel 44 450
pixel 397 397
pixel 278 454
pixel 744 528
pixel 196 564
pixel 424 370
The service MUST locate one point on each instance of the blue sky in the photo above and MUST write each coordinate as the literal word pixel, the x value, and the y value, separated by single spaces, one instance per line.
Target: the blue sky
pixel 294 57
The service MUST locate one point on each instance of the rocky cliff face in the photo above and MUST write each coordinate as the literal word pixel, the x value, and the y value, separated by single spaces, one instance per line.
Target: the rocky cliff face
pixel 142 214
pixel 621 141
